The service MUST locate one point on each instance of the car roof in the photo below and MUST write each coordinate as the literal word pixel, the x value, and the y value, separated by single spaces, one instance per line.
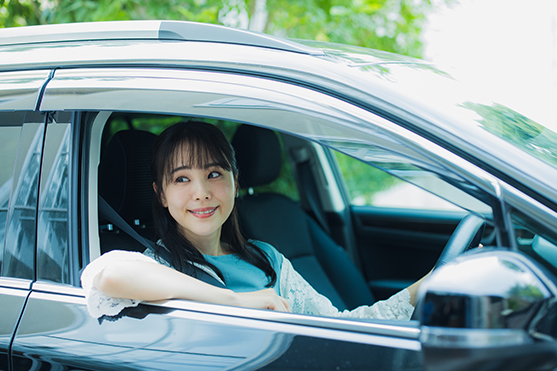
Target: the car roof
pixel 147 30
pixel 412 92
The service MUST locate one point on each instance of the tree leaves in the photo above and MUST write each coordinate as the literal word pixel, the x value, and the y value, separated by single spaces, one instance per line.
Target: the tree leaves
pixel 389 25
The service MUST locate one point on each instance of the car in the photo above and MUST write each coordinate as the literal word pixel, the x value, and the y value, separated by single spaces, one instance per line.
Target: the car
pixel 368 169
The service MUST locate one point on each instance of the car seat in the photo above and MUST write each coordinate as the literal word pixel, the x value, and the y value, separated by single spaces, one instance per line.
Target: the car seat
pixel 125 183
pixel 280 221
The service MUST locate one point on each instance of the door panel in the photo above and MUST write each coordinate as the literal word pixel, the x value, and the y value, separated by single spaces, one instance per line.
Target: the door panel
pixel 12 304
pixel 307 353
pixel 56 332
pixel 398 246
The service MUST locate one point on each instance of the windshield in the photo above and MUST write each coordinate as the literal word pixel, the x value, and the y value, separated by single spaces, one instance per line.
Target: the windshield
pixel 465 119
pixel 472 113
pixel 467 112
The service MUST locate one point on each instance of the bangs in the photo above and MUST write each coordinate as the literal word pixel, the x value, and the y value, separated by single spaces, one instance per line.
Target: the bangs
pixel 191 144
pixel 195 153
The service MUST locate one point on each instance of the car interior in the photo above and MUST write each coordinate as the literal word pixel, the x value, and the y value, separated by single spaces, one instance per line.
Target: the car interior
pixel 125 184
pixel 353 255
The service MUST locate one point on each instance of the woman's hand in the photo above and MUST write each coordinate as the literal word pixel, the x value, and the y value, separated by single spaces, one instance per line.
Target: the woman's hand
pixel 413 289
pixel 263 299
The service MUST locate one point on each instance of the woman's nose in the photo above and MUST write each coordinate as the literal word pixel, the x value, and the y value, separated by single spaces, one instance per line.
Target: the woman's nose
pixel 202 191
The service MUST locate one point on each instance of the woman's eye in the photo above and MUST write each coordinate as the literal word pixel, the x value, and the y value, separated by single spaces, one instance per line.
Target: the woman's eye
pixel 214 174
pixel 182 179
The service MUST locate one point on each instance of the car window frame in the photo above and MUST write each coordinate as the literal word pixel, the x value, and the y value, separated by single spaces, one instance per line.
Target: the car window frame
pixel 247 100
pixel 71 266
pixel 85 94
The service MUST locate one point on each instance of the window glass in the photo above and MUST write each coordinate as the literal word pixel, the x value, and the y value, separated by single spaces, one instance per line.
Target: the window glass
pixel 535 240
pixel 10 130
pixel 19 253
pixel 53 259
pixel 368 185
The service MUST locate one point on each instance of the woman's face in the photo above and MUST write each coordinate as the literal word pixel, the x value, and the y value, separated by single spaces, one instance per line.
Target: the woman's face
pixel 200 200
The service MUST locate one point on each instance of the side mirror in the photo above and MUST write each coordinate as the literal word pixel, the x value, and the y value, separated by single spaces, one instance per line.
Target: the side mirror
pixel 489 310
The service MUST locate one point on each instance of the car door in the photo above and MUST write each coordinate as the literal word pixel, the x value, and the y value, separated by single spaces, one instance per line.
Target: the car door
pixel 56 328
pixel 21 135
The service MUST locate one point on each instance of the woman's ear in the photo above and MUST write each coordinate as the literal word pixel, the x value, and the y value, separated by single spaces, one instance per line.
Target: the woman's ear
pixel 237 186
pixel 160 195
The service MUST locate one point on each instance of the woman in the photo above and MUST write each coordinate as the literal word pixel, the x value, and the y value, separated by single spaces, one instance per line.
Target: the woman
pixel 196 182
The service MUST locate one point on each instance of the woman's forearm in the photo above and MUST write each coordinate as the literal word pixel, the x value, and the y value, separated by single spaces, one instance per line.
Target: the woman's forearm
pixel 148 281
pixel 140 280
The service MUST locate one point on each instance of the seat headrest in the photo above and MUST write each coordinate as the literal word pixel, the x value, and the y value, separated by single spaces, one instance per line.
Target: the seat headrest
pixel 125 180
pixel 258 155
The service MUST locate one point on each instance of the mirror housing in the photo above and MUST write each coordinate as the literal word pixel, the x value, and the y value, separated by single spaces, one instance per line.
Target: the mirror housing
pixel 489 310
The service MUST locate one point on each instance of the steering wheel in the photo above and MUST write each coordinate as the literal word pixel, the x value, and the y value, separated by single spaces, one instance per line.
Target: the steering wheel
pixel 467 235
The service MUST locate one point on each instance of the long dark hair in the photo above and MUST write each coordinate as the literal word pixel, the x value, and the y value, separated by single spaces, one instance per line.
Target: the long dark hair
pixel 196 143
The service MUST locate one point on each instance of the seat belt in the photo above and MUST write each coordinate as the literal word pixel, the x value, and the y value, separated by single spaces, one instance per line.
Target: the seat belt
pixel 311 196
pixel 108 213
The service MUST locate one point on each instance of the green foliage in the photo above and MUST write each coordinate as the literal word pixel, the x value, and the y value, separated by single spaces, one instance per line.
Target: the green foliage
pixel 14 13
pixel 390 25
pixel 517 129
pixel 521 297
pixel 362 180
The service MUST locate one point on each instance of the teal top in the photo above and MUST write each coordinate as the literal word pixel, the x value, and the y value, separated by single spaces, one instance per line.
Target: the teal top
pixel 241 276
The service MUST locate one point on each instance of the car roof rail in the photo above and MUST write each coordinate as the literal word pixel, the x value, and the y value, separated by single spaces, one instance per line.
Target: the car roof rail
pixel 148 30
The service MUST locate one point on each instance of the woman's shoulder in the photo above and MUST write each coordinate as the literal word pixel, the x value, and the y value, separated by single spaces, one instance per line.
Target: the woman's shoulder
pixel 270 250
pixel 267 247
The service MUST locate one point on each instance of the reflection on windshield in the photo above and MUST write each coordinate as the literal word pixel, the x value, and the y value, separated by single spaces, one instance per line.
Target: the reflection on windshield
pixel 435 188
pixel 517 129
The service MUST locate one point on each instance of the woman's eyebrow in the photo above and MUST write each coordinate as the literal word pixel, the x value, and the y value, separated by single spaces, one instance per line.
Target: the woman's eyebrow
pixel 188 167
pixel 210 165
pixel 183 167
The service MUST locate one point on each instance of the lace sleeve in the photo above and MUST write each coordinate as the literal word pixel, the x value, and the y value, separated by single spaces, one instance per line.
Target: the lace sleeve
pixel 99 304
pixel 303 299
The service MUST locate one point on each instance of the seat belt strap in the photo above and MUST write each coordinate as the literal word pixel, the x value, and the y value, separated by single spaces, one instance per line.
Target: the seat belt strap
pixel 310 192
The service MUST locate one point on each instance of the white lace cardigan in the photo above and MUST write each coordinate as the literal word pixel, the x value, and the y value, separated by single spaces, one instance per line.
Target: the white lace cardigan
pixel 303 298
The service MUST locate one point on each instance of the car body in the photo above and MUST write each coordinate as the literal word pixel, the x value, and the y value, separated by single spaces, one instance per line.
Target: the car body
pixel 62 86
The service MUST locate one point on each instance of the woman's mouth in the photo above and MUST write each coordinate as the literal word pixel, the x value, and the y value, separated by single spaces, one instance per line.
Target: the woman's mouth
pixel 205 212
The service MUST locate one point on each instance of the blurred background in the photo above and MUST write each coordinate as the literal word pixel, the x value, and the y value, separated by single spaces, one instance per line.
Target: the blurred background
pixel 390 25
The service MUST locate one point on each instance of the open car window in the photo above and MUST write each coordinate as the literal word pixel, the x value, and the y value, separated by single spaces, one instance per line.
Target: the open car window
pixel 297 112
pixel 107 125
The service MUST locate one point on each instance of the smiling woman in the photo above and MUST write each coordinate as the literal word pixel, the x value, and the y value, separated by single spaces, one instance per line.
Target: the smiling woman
pixel 196 182
pixel 195 185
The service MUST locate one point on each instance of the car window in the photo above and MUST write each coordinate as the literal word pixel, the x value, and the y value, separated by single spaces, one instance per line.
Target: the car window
pixel 25 148
pixel 53 252
pixel 400 185
pixel 10 129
